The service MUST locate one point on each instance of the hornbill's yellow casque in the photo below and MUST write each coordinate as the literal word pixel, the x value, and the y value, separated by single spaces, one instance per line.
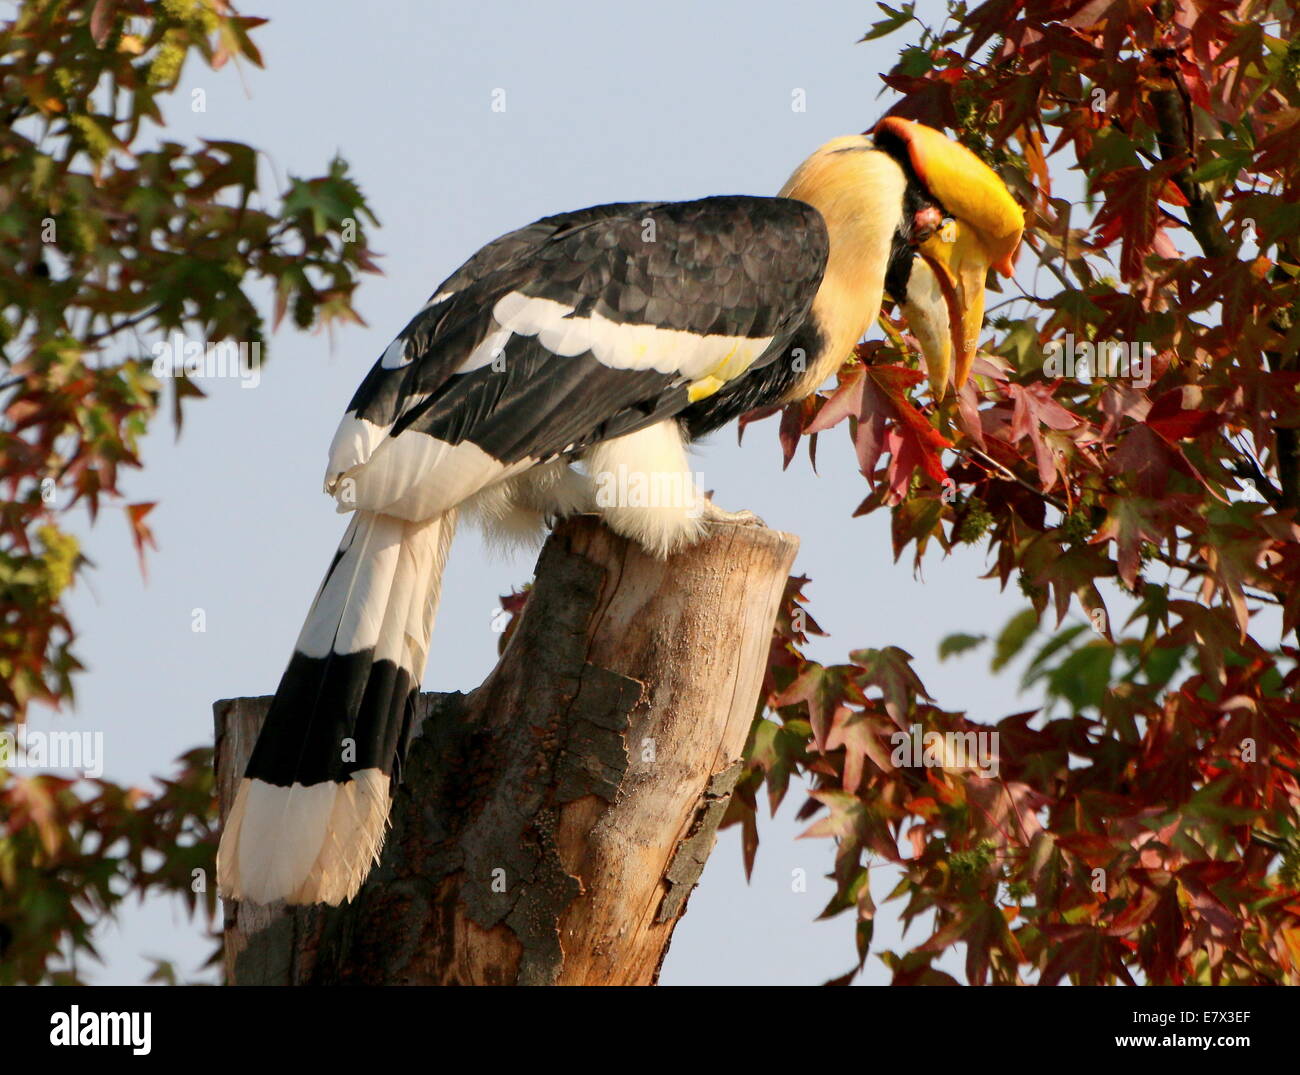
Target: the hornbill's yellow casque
pixel 608 337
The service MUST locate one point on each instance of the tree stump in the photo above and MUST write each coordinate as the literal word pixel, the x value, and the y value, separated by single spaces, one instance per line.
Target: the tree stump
pixel 550 825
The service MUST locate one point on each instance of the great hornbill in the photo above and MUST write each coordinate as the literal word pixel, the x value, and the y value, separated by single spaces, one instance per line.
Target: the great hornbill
pixel 607 337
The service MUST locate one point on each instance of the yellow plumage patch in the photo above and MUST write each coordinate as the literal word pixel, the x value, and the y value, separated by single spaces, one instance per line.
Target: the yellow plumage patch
pixel 704 387
pixel 732 365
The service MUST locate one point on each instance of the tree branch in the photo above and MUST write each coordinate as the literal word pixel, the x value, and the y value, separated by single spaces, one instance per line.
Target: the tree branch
pixel 1176 136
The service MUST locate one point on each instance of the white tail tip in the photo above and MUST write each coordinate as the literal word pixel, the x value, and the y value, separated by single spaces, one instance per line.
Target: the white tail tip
pixel 303 844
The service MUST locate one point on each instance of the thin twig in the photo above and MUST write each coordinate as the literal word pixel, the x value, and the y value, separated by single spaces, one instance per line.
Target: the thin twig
pixel 1006 474
pixel 113 330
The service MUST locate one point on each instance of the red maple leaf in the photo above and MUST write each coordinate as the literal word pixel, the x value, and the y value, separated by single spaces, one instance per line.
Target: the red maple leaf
pixel 1035 408
pixel 887 422
pixel 141 535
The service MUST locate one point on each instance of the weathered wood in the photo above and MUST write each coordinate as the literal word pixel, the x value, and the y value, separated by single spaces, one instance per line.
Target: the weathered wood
pixel 551 824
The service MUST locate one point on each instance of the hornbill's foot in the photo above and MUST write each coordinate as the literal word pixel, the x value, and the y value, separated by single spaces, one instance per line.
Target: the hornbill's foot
pixel 714 515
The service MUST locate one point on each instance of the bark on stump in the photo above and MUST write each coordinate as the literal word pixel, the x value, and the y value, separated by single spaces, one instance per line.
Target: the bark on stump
pixel 550 824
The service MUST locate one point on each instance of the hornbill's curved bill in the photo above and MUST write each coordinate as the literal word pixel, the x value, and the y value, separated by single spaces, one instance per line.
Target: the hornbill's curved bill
pixel 944 306
pixel 583 346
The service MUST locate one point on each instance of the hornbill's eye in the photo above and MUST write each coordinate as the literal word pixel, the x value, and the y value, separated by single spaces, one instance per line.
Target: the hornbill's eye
pixel 925 223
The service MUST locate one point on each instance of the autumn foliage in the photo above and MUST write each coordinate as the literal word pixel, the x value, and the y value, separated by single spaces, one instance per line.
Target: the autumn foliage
pixel 115 236
pixel 1142 825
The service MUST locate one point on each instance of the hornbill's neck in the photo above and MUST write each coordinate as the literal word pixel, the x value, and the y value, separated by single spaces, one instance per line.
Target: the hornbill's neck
pixel 859 191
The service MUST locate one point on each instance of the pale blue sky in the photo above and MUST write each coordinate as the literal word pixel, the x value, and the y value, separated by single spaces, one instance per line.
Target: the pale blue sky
pixel 603 103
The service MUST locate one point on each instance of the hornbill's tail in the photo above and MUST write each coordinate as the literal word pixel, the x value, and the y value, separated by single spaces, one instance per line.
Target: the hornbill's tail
pixel 308 820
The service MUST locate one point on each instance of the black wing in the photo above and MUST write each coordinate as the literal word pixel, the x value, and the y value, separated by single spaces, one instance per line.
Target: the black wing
pixel 589 325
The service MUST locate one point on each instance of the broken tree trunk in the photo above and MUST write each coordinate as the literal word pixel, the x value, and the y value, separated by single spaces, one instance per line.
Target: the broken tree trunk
pixel 551 824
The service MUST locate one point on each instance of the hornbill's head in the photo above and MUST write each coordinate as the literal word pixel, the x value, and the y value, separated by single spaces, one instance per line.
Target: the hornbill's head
pixel 914 214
